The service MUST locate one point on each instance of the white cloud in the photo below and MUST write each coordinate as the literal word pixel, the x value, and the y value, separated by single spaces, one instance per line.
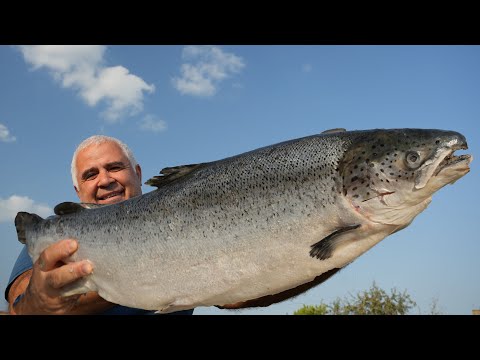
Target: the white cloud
pixel 208 66
pixel 149 123
pixel 11 206
pixel 5 134
pixel 81 67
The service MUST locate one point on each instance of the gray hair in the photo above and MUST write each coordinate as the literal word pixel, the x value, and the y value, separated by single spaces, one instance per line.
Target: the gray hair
pixel 97 140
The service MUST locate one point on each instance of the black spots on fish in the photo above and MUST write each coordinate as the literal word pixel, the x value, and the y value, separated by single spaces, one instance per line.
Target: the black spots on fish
pixel 355 178
pixel 59 229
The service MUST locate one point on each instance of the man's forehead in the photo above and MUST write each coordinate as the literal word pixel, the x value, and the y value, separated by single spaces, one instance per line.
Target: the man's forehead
pixel 100 154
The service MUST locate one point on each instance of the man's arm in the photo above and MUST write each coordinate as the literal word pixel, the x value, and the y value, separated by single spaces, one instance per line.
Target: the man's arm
pixel 41 285
pixel 284 295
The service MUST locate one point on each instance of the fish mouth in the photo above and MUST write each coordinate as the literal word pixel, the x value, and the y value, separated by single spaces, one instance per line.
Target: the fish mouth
pixel 444 162
pixel 454 161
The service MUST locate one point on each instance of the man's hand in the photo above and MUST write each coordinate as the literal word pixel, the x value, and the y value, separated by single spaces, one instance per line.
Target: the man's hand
pixel 42 285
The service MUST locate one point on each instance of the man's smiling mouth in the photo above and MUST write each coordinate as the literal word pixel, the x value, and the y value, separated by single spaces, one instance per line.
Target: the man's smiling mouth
pixel 110 195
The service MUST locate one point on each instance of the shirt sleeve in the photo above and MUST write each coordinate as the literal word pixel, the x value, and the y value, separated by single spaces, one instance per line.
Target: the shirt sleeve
pixel 22 264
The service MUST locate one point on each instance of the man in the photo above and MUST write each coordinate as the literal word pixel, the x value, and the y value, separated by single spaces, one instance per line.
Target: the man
pixel 104 171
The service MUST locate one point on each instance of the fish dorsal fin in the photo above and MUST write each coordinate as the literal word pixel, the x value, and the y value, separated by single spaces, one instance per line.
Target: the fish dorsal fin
pixel 332 131
pixel 170 174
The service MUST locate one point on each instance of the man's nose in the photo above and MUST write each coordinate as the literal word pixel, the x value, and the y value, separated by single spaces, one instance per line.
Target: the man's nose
pixel 104 179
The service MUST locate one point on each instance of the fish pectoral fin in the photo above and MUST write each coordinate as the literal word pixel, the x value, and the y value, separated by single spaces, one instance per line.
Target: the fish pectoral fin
pixel 171 174
pixel 324 248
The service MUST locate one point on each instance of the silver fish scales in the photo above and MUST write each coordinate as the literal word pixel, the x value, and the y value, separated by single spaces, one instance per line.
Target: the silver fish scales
pixel 254 224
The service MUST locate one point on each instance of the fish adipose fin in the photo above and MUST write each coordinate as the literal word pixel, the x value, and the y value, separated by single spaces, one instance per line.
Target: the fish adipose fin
pixel 69 207
pixel 23 220
pixel 324 248
pixel 170 174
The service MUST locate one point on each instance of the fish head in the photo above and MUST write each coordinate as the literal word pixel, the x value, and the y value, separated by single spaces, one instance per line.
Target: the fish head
pixel 389 176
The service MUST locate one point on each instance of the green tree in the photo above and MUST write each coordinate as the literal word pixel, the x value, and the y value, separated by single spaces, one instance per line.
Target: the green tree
pixel 321 309
pixel 374 301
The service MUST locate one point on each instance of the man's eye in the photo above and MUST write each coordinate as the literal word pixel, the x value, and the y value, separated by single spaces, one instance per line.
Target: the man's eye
pixel 116 168
pixel 90 176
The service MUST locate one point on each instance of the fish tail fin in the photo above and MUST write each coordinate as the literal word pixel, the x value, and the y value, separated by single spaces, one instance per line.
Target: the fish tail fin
pixel 24 220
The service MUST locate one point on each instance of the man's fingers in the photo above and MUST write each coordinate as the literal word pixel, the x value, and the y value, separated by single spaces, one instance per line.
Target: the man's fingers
pixel 69 273
pixel 55 253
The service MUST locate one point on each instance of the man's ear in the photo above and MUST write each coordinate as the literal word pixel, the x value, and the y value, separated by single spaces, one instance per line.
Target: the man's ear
pixel 138 170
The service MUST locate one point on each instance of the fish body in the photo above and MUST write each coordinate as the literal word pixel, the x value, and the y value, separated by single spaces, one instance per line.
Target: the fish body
pixel 254 224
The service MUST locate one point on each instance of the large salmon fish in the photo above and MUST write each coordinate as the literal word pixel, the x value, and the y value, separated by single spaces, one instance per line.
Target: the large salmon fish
pixel 254 224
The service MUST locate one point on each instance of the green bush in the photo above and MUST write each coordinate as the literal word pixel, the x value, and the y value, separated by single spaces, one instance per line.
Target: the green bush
pixel 374 301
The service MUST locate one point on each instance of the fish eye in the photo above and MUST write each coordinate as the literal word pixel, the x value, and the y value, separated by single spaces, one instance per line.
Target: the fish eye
pixel 412 159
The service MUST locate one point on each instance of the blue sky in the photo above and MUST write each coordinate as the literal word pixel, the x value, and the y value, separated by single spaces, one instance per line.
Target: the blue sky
pixel 178 105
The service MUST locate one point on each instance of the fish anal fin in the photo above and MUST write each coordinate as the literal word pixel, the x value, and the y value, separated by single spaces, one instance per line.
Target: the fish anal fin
pixel 81 286
pixel 171 174
pixel 324 249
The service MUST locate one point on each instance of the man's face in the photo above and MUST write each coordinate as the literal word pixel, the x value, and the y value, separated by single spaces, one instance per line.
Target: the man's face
pixel 105 175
